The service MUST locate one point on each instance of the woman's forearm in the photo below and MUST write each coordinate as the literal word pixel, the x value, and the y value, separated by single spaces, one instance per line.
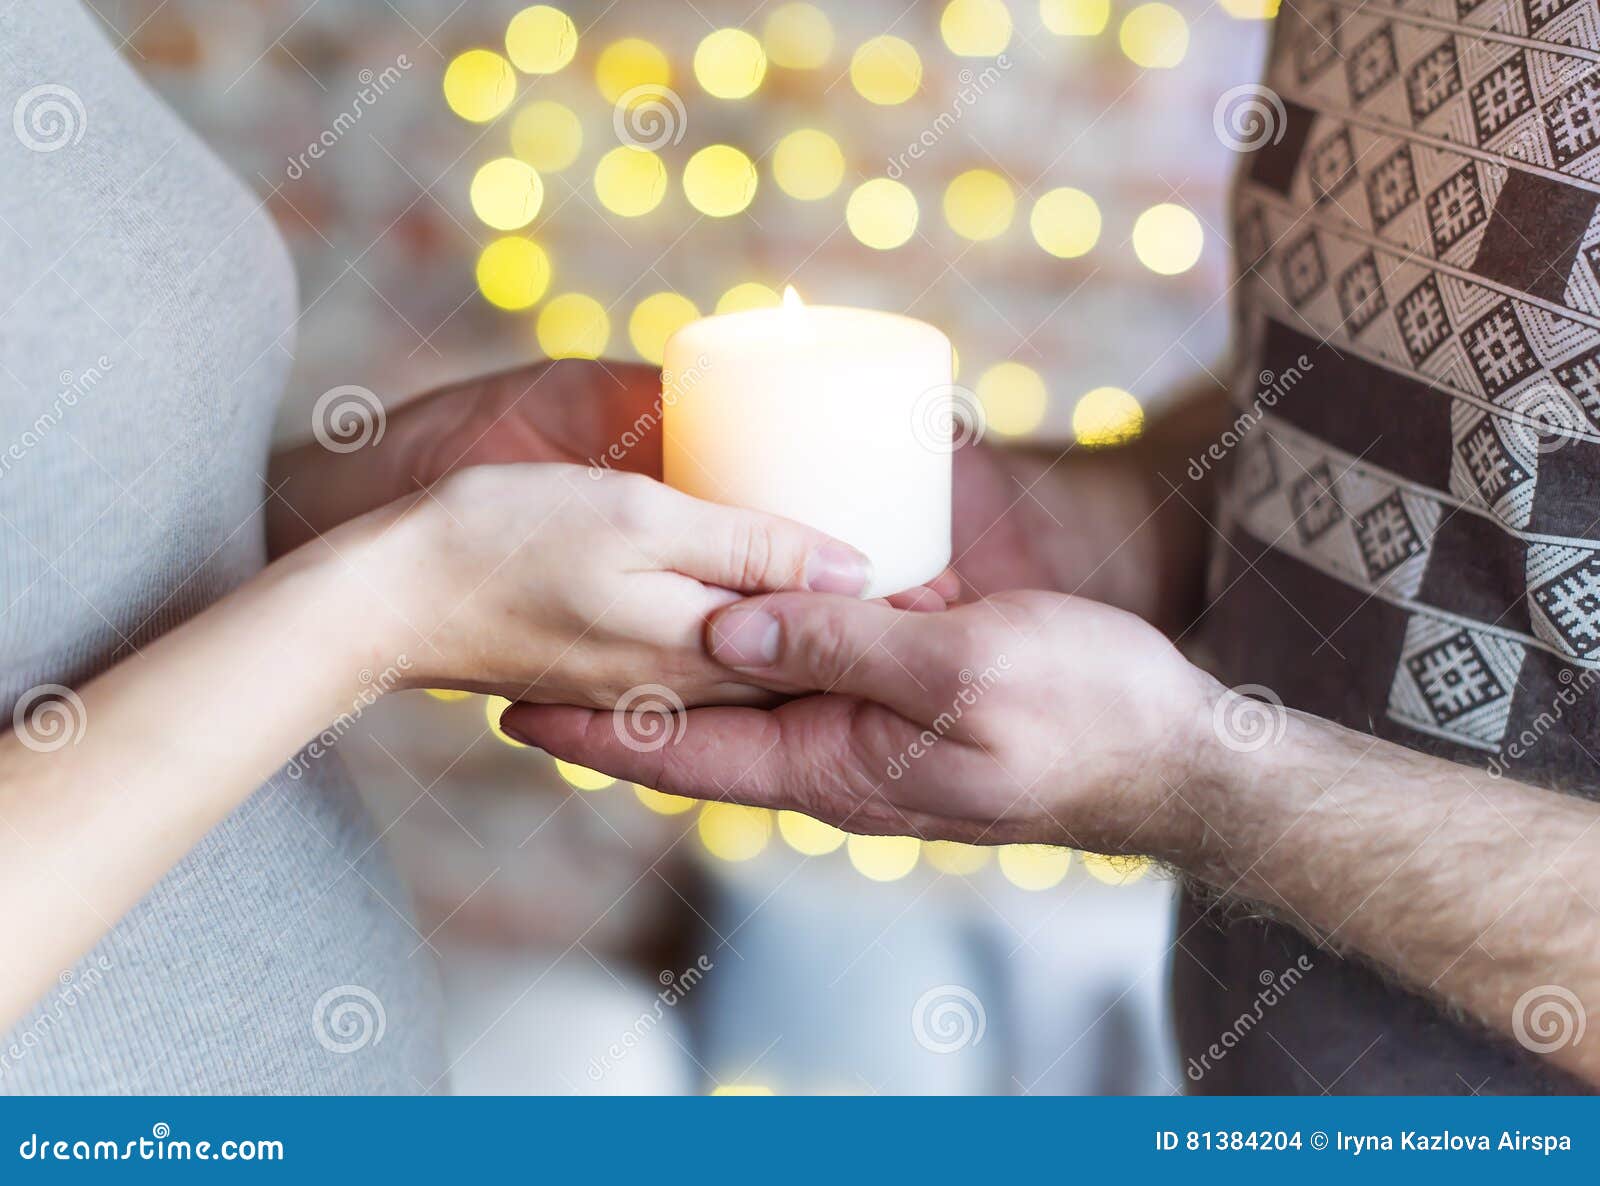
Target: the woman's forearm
pixel 165 745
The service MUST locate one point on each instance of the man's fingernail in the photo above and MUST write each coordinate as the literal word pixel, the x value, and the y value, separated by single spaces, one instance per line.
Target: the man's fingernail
pixel 837 568
pixel 745 638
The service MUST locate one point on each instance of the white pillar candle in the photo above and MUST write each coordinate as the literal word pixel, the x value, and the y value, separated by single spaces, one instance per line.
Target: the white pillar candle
pixel 837 418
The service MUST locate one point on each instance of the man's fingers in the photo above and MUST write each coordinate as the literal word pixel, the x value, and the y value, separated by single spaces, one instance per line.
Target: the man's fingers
pixel 833 644
pixel 754 553
pixel 801 757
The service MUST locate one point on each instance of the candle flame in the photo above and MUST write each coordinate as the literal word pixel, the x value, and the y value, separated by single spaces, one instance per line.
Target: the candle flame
pixel 791 298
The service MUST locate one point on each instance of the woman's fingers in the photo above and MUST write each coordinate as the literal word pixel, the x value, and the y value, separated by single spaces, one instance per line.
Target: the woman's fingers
pixel 749 551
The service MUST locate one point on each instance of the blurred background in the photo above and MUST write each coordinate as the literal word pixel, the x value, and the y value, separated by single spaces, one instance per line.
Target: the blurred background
pixel 468 184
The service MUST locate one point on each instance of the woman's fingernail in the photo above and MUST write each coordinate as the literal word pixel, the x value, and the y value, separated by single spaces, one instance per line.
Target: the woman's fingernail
pixel 837 568
pixel 745 638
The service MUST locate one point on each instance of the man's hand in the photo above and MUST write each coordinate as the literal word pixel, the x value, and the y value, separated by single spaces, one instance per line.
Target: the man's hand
pixel 1027 716
pixel 569 411
pixel 1035 717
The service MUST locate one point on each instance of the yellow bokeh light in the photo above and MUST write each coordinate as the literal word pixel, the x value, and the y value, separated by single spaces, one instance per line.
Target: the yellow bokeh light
pixel 886 70
pixel 809 836
pixel 749 295
pixel 729 63
pixel 513 273
pixel 1115 870
pixel 1154 36
pixel 630 63
pixel 884 858
pixel 662 803
pixel 798 36
pixel 1075 18
pixel 657 318
pixel 1013 397
pixel 979 204
pixel 573 325
pixel 1065 222
pixel 541 39
pixel 582 777
pixel 447 694
pixel 732 832
pixel 1251 10
pixel 493 706
pixel 1168 238
pixel 548 135
pixel 1107 416
pixel 479 85
pixel 1034 866
pixel 956 859
pixel 808 164
pixel 719 180
pixel 507 193
pixel 976 28
pixel 881 213
pixel 630 181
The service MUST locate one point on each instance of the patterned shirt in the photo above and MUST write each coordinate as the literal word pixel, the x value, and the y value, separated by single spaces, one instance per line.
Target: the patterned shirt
pixel 1412 533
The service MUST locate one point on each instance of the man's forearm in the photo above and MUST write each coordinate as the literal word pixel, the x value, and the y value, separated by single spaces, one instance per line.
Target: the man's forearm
pixel 1473 889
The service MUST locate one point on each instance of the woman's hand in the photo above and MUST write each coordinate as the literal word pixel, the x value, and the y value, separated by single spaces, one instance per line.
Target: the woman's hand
pixel 553 583
pixel 1028 716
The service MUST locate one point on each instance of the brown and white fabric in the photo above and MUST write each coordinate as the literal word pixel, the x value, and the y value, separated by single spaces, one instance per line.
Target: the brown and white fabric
pixel 1412 527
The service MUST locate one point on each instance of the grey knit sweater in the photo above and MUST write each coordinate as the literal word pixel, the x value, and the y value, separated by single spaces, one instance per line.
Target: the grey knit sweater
pixel 147 309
